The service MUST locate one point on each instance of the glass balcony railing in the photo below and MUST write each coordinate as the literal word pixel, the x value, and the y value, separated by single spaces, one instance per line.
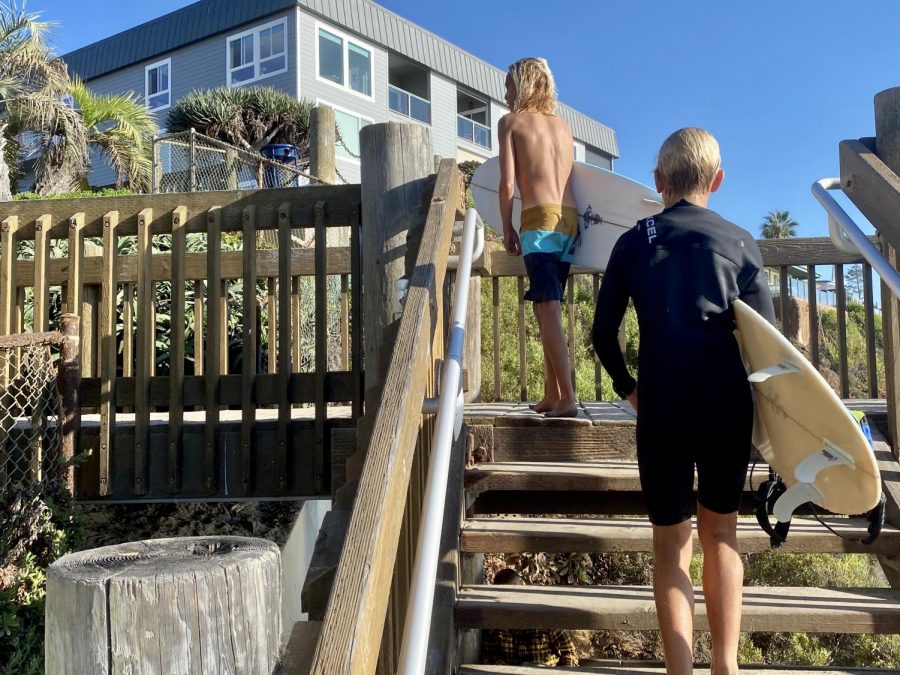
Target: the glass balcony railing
pixel 473 131
pixel 410 105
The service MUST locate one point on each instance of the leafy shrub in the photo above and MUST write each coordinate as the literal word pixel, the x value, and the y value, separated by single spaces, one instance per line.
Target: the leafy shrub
pixel 37 529
pixel 105 192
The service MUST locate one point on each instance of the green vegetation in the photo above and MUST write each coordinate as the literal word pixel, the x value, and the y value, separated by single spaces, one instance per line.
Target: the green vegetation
pixel 38 527
pixel 105 192
pixel 778 225
pixel 246 117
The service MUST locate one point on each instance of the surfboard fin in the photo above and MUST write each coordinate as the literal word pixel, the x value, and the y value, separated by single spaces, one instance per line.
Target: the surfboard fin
pixel 783 368
pixel 806 472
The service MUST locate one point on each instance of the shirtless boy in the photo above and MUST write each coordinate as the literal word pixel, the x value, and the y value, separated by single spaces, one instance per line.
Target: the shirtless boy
pixel 536 155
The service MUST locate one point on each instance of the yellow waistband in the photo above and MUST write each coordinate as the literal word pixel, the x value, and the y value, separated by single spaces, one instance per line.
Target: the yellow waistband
pixel 550 216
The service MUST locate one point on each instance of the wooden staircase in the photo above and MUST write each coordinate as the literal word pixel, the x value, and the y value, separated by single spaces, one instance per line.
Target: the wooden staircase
pixel 551 498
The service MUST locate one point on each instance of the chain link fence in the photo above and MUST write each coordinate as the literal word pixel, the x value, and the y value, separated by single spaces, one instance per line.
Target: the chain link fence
pixel 31 411
pixel 192 162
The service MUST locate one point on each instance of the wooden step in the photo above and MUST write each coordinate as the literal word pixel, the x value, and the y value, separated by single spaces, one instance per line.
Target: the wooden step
pixel 605 535
pixel 658 670
pixel 602 476
pixel 766 609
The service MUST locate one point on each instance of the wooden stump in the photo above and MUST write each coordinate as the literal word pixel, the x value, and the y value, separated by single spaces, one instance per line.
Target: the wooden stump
pixel 167 606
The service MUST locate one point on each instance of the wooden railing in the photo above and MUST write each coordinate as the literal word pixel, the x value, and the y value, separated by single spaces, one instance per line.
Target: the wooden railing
pixel 783 256
pixel 361 632
pixel 118 261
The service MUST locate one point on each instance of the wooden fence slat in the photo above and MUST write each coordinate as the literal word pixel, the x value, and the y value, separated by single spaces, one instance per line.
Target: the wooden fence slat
pixel 842 329
pixel 284 336
pixel 76 271
pixel 813 314
pixel 128 331
pixel 108 352
pixel 223 329
pixel 323 463
pixel 295 325
pixel 523 362
pixel 495 302
pixel 144 348
pixel 784 293
pixel 356 347
pixel 199 355
pixel 41 314
pixel 272 332
pixel 176 350
pixel 345 322
pixel 868 303
pixel 213 346
pixel 249 365
pixel 9 252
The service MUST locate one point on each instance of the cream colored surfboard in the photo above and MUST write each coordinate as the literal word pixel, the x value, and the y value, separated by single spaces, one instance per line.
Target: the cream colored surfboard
pixel 802 428
pixel 609 205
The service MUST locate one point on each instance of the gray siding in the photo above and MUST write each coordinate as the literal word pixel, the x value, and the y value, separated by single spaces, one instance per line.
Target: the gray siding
pixel 395 33
pixel 201 65
pixel 374 24
pixel 443 116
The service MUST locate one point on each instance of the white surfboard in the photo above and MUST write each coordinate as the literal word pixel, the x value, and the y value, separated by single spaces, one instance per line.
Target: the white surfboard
pixel 802 428
pixel 608 204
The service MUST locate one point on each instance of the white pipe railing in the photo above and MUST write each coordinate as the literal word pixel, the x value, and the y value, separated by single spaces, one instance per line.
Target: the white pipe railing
pixel 417 628
pixel 846 235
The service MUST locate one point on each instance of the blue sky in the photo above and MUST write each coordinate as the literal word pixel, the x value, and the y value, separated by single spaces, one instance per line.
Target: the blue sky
pixel 780 83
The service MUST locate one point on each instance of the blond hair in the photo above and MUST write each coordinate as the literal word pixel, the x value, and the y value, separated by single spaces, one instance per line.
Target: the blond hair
pixel 535 88
pixel 688 161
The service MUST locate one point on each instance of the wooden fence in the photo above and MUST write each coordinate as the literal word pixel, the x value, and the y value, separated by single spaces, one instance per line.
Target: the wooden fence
pixel 227 429
pixel 784 256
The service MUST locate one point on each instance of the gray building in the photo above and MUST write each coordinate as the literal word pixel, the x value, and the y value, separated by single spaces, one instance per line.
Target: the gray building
pixel 366 62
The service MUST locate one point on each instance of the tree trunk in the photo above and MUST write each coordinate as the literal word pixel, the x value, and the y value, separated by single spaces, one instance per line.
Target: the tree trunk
pixel 5 187
pixel 188 605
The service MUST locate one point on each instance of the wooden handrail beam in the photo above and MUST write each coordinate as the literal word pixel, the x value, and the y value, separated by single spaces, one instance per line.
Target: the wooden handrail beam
pixel 352 630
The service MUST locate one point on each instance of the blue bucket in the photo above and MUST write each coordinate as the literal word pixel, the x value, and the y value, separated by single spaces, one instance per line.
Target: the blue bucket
pixel 279 152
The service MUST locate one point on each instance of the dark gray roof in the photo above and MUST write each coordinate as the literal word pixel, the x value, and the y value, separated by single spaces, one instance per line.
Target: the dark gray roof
pixel 208 17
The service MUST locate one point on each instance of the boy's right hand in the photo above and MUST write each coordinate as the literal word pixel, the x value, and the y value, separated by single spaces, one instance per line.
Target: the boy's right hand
pixel 511 241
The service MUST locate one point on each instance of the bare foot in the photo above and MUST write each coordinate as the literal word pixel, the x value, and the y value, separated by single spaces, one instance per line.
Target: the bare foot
pixel 563 410
pixel 544 405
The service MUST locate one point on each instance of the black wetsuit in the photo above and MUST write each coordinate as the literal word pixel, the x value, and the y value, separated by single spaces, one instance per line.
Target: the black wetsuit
pixel 684 268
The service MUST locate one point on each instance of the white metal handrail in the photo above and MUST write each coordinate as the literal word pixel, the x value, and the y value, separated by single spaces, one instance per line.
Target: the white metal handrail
pixel 846 235
pixel 416 630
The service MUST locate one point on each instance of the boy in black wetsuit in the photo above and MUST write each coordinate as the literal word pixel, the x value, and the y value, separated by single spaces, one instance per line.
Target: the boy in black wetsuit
pixel 684 268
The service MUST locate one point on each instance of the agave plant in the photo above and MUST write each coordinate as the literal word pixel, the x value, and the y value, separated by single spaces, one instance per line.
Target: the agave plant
pixel 248 118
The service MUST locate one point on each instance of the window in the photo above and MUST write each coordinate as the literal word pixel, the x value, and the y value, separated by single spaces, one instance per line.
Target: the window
pixel 257 53
pixel 344 62
pixel 349 125
pixel 158 92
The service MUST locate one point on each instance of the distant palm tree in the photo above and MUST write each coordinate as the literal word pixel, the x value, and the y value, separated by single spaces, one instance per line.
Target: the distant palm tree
pixel 119 127
pixel 33 84
pixel 778 225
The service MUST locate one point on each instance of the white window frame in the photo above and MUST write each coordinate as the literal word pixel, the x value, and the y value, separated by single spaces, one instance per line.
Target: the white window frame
pixel 255 32
pixel 147 69
pixel 347 39
pixel 353 113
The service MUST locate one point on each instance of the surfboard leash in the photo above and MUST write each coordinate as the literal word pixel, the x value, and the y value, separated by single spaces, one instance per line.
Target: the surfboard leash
pixel 875 518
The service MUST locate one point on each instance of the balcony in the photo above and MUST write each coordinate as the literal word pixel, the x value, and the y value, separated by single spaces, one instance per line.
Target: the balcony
pixel 409 105
pixel 474 132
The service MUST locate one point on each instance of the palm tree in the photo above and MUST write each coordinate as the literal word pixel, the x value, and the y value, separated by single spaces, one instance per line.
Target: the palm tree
pixel 32 88
pixel 778 225
pixel 119 127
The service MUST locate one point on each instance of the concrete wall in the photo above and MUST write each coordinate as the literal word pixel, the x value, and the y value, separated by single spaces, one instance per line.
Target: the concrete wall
pixel 295 558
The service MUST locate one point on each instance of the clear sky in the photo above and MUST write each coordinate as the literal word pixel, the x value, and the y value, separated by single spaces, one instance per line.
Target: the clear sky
pixel 779 82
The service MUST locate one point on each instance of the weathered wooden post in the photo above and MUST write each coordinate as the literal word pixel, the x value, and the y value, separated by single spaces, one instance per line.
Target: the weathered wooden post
pixel 321 144
pixel 887 147
pixel 189 605
pixel 396 161
pixel 68 383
